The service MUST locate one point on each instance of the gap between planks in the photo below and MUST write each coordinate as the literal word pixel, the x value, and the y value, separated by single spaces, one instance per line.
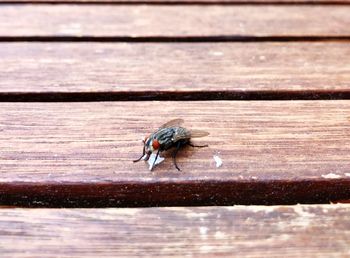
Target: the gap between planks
pixel 173 39
pixel 80 154
pixel 164 95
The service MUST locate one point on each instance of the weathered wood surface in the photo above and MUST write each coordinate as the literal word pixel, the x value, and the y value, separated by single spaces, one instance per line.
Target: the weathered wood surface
pixel 182 1
pixel 173 21
pixel 256 231
pixel 80 154
pixel 126 69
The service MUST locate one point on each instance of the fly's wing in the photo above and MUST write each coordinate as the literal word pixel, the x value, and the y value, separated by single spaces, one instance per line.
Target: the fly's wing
pixel 172 123
pixel 181 133
pixel 198 133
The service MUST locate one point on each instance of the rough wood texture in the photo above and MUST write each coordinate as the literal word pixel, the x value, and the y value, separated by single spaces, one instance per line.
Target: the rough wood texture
pixel 307 231
pixel 173 21
pixel 183 1
pixel 80 154
pixel 178 68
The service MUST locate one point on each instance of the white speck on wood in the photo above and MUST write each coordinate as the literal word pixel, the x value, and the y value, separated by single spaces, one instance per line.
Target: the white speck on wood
pixel 108 214
pixel 264 209
pixel 72 28
pixel 303 217
pixel 152 158
pixel 331 176
pixel 220 235
pixel 45 60
pixel 347 174
pixel 100 51
pixel 216 53
pixel 299 209
pixel 196 214
pixel 68 60
pixel 218 161
pixel 203 230
pixel 206 248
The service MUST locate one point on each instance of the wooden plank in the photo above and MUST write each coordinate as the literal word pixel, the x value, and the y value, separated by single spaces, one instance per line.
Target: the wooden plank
pixel 80 154
pixel 179 70
pixel 182 1
pixel 288 231
pixel 173 21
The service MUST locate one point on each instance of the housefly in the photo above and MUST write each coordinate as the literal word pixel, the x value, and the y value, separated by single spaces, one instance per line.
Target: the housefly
pixel 169 135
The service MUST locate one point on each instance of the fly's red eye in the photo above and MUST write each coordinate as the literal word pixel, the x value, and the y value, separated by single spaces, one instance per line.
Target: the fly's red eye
pixel 155 144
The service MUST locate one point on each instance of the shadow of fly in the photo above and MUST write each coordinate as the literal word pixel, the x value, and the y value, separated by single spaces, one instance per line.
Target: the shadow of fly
pixel 170 135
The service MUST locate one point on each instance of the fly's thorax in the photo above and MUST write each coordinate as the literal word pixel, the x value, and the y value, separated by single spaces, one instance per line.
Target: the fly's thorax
pixel 161 139
pixel 164 135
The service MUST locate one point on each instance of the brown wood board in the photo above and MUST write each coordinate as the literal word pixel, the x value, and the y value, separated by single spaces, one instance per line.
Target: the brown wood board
pixel 182 2
pixel 255 231
pixel 173 21
pixel 178 70
pixel 80 154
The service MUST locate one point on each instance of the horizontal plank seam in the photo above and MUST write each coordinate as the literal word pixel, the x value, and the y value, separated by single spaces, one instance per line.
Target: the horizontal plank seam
pixel 119 194
pixel 173 95
pixel 175 39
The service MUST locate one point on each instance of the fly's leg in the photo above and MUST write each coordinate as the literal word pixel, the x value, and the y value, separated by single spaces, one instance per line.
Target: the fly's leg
pixel 143 154
pixel 197 146
pixel 154 162
pixel 178 146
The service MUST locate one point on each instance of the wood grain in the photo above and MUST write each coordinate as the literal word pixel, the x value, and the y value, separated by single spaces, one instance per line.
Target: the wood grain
pixel 185 69
pixel 308 231
pixel 182 2
pixel 173 21
pixel 80 154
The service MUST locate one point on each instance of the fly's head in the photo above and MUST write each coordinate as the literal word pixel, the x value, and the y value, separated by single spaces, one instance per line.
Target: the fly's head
pixel 151 144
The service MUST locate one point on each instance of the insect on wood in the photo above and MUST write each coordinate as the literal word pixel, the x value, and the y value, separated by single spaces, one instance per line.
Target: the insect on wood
pixel 169 135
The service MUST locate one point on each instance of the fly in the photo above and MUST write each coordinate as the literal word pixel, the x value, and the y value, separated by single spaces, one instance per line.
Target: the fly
pixel 169 135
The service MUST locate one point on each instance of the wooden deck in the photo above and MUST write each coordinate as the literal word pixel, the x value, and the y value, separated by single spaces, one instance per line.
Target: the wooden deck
pixel 82 82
